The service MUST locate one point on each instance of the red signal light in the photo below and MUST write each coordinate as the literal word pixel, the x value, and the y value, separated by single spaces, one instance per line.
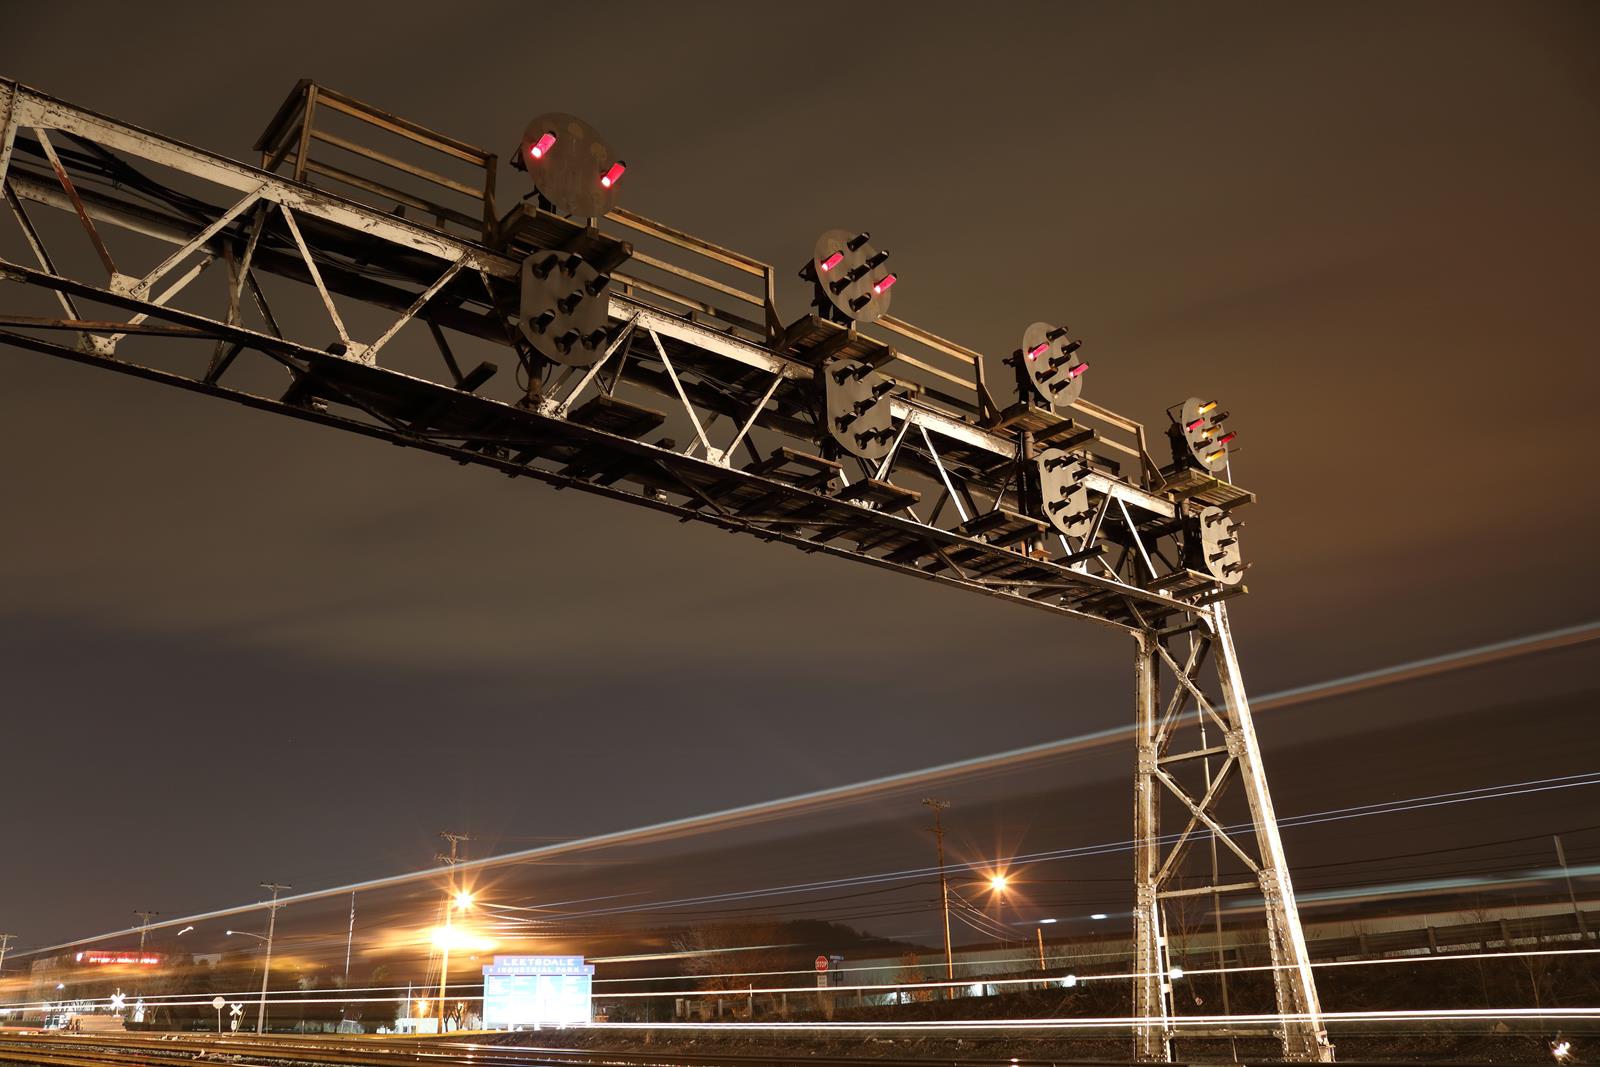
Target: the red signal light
pixel 1225 438
pixel 1039 349
pixel 1195 425
pixel 832 261
pixel 542 146
pixel 1079 369
pixel 883 284
pixel 614 175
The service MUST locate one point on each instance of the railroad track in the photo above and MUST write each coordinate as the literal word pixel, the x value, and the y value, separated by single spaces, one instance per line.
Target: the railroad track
pixel 165 1050
pixel 168 1050
pixel 148 1050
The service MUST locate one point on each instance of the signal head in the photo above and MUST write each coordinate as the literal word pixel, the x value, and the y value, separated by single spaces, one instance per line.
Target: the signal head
pixel 1211 546
pixel 856 401
pixel 570 164
pixel 1198 439
pixel 564 307
pixel 852 283
pixel 1063 499
pixel 1049 365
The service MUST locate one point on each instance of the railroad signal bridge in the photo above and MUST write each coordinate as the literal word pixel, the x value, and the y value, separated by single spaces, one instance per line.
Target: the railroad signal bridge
pixel 638 362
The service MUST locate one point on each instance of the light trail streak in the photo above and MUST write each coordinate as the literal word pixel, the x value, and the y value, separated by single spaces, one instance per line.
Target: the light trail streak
pixel 1108 848
pixel 1109 1023
pixel 295 996
pixel 1289 822
pixel 747 814
pixel 1104 1022
pixel 1010 1022
pixel 1119 976
pixel 1436 885
pixel 687 953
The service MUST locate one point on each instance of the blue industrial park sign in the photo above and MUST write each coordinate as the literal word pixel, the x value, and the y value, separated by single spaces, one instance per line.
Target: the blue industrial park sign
pixel 536 991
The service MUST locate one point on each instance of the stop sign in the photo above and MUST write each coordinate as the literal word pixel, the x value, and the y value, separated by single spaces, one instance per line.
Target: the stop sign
pixel 822 963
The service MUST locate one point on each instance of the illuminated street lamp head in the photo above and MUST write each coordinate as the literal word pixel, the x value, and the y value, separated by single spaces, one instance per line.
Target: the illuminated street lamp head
pixel 463 900
pixel 998 883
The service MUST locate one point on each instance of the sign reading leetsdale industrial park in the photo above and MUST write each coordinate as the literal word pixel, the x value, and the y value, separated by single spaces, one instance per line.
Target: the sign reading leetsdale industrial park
pixel 521 991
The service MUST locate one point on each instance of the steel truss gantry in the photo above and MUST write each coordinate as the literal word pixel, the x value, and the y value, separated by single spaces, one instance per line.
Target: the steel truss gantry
pixel 1194 737
pixel 587 428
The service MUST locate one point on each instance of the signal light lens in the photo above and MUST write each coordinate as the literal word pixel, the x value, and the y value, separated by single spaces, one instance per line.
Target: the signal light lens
pixel 539 148
pixel 883 284
pixel 833 261
pixel 1076 371
pixel 614 175
pixel 1038 350
pixel 1208 407
pixel 1218 454
pixel 1225 438
pixel 1195 425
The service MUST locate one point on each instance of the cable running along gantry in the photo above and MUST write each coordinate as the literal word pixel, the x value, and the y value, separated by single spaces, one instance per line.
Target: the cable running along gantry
pixel 653 367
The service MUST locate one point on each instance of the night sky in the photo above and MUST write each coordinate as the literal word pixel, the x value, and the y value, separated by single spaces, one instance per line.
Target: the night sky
pixel 237 648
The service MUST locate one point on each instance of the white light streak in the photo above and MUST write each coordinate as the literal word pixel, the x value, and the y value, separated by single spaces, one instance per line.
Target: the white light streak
pixel 293 996
pixel 1567 636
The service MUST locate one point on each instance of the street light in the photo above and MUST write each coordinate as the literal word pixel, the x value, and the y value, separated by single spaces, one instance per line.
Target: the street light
pixel 997 885
pixel 461 899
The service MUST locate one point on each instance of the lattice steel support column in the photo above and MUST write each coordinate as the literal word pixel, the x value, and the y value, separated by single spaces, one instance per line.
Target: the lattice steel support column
pixel 1304 1036
pixel 1150 1040
pixel 8 128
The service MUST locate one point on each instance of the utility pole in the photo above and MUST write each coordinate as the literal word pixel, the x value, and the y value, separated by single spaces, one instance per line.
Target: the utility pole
pixel 455 840
pixel 1561 854
pixel 144 926
pixel 449 861
pixel 938 806
pixel 266 967
pixel 5 943
pixel 144 918
pixel 349 943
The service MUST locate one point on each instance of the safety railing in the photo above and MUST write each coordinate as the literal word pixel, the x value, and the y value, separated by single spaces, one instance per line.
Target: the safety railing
pixel 289 139
pixel 743 298
pixel 763 295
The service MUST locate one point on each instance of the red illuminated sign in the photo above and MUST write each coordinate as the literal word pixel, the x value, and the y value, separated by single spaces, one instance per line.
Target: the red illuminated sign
pixel 139 959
